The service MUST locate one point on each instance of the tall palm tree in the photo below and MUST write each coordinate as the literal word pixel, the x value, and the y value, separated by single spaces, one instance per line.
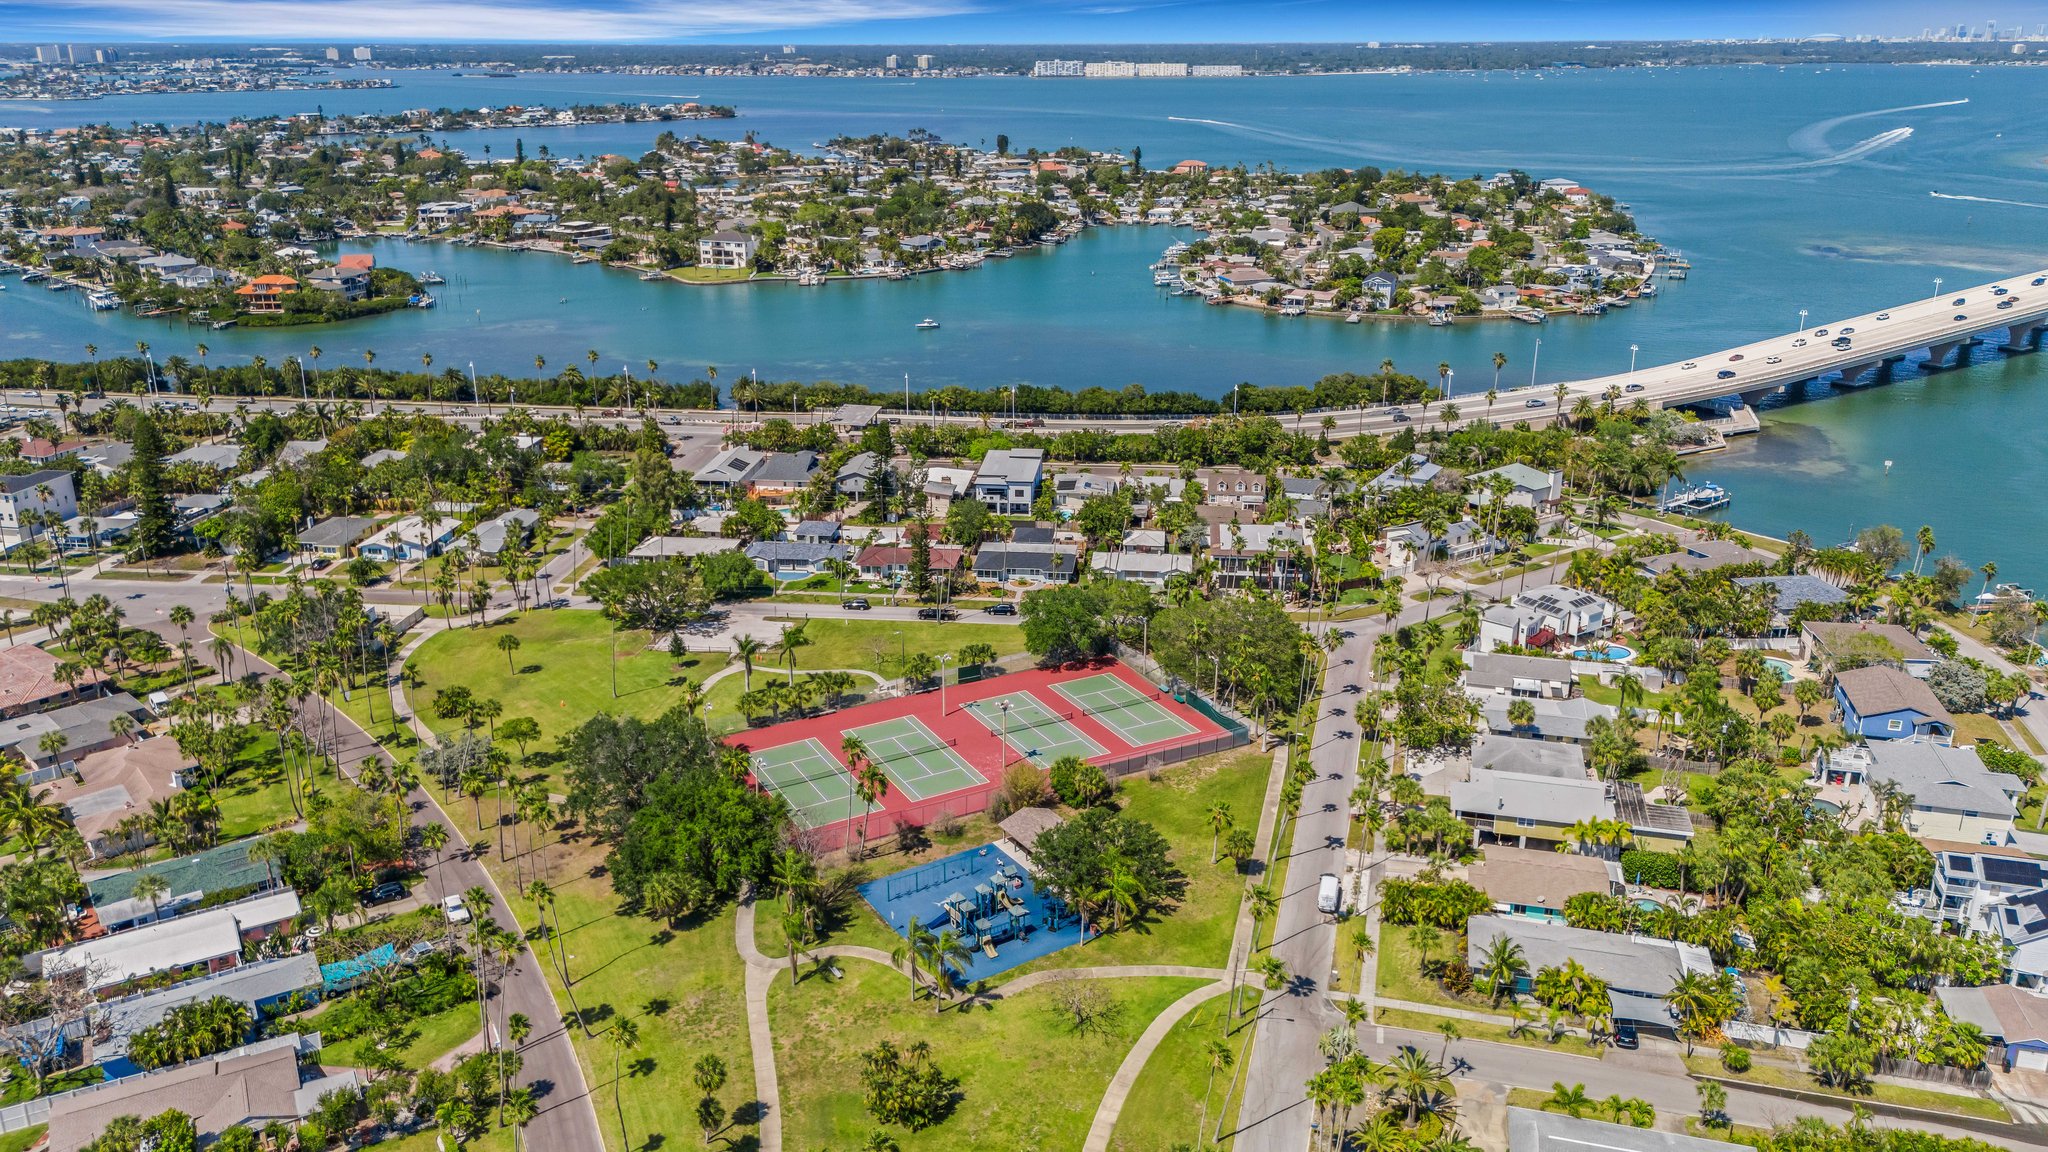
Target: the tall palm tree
pixel 1419 1083
pixel 625 1037
pixel 747 648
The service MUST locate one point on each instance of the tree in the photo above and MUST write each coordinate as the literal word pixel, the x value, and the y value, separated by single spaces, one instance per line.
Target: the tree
pixel 625 1037
pixel 906 1087
pixel 1841 1058
pixel 1501 963
pixel 1104 859
pixel 1571 1101
pixel 155 533
pixel 508 644
pixel 1065 623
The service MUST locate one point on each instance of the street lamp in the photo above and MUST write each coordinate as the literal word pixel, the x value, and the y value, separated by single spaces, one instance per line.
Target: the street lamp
pixel 1937 285
pixel 1532 361
pixel 1632 364
pixel 945 658
pixel 1802 319
pixel 1450 383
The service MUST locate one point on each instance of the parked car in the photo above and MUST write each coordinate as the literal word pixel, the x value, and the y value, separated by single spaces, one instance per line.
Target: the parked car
pixel 455 910
pixel 1625 1036
pixel 936 614
pixel 856 605
pixel 384 893
pixel 1329 894
pixel 1004 609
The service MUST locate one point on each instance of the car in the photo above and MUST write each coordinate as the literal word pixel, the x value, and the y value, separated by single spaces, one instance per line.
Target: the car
pixel 1848 331
pixel 95 394
pixel 1958 302
pixel 1998 291
pixel 1532 403
pixel 384 893
pixel 1625 1036
pixel 1329 893
pixel 1799 343
pixel 936 614
pixel 1884 315
pixel 1002 609
pixel 1633 388
pixel 32 394
pixel 1391 412
pixel 1735 357
pixel 1725 374
pixel 1690 364
pixel 1960 316
pixel 1774 359
pixel 1820 331
pixel 455 910
pixel 856 605
pixel 1840 342
pixel 1400 417
pixel 671 419
pixel 2006 303
pixel 2040 280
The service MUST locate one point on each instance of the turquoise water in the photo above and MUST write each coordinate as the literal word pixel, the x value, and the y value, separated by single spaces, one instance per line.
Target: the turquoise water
pixel 1615 653
pixel 1789 189
pixel 1784 667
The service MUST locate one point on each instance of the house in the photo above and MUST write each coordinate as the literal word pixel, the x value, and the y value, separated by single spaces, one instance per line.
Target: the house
pixel 107 459
pixel 1025 562
pixel 1522 882
pixel 220 457
pixel 1555 759
pixel 857 475
pixel 47 492
pixel 299 451
pixel 265 294
pixel 1704 556
pixel 1411 471
pixel 1882 703
pixel 1070 490
pixel 1559 720
pixel 1526 487
pixel 109 795
pixel 510 530
pixel 2013 1016
pixel 745 471
pixel 347 283
pixel 1233 487
pixel 408 538
pixel 1950 795
pixel 1548 615
pixel 85 727
pixel 815 532
pixel 1408 544
pixel 1993 893
pixel 252 1086
pixel 211 940
pixel 889 564
pixel 220 873
pixel 1516 808
pixel 257 987
pixel 1534 1131
pixel 1152 569
pixel 28 680
pixel 1500 674
pixel 671 547
pixel 1007 481
pixel 333 538
pixel 942 485
pixel 381 456
pixel 1830 647
pixel 789 560
pixel 96 531
pixel 42 450
pixel 1268 556
pixel 1789 594
pixel 727 249
pixel 1378 288
pixel 1638 970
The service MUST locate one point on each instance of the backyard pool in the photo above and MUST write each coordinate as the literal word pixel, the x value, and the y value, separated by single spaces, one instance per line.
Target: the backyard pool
pixel 1784 667
pixel 1612 654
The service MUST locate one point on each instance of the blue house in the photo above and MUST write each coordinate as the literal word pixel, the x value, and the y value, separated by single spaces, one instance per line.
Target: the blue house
pixel 1883 703
pixel 262 986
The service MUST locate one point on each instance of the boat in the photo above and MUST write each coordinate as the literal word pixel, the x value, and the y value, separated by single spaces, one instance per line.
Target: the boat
pixel 1701 497
pixel 1527 315
pixel 1648 289
pixel 1355 318
pixel 102 301
pixel 432 278
pixel 33 277
pixel 926 324
pixel 59 286
pixel 811 278
pixel 1620 302
pixel 1595 309
pixel 653 274
pixel 422 300
pixel 583 258
pixel 221 325
pixel 1293 310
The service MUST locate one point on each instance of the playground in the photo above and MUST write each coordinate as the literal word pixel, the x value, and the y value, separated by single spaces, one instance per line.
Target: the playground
pixel 986 898
pixel 944 751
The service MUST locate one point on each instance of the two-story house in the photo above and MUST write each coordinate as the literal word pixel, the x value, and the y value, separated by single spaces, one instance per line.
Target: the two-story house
pixel 1007 481
pixel 48 494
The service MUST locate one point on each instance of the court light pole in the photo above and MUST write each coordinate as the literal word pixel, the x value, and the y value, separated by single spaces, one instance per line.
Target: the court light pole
pixel 945 658
pixel 1003 746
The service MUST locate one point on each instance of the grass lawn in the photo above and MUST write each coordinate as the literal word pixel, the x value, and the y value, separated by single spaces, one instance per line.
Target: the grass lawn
pixel 564 671
pixel 875 645
pixel 1026 1079
pixel 23 1140
pixel 1538 1037
pixel 494 1139
pixel 1537 1099
pixel 255 797
pixel 710 275
pixel 1977 728
pixel 1761 1072
pixel 1400 977
pixel 20 1088
pixel 1167 1101
pixel 432 1038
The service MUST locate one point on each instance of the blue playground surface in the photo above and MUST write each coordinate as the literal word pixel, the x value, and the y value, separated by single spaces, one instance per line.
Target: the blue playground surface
pixel 985 896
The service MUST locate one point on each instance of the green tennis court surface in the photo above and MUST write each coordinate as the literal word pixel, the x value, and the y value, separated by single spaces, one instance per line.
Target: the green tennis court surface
pixel 1033 729
pixel 917 761
pixel 1135 717
pixel 808 778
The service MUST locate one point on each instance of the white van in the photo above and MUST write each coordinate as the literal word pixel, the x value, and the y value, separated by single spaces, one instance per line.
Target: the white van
pixel 1329 894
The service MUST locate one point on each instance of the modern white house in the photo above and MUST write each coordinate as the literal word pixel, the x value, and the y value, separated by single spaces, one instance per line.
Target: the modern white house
pixel 1548 615
pixel 1007 481
pixel 48 493
pixel 727 249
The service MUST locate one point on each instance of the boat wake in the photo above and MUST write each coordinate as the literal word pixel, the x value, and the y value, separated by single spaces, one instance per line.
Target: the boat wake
pixel 1858 151
pixel 1988 200
pixel 1814 137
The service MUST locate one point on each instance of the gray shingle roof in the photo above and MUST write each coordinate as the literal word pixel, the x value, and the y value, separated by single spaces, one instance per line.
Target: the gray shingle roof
pixel 1879 689
pixel 1937 776
pixel 1529 758
pixel 1626 963
pixel 1792 591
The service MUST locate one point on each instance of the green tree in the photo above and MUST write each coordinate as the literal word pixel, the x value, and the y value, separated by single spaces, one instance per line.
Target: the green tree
pixel 156 526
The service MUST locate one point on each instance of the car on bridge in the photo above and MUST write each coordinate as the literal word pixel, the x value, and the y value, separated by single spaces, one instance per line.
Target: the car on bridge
pixel 2007 303
pixel 1884 315
pixel 1848 331
pixel 2040 280
pixel 1690 364
pixel 1959 302
pixel 1532 403
pixel 1799 343
pixel 1999 291
pixel 1960 316
pixel 1734 358
pixel 1774 359
pixel 1725 374
pixel 1633 388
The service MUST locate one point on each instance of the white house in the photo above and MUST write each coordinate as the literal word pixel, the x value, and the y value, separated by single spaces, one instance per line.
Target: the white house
pixel 47 493
pixel 1546 615
pixel 726 249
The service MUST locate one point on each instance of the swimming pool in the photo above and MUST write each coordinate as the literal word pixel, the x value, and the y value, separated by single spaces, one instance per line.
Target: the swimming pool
pixel 1784 667
pixel 1612 653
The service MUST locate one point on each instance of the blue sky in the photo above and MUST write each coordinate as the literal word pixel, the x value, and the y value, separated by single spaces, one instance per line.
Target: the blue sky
pixel 980 21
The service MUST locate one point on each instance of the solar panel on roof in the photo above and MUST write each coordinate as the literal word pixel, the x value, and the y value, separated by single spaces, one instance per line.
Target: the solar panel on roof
pixel 2005 870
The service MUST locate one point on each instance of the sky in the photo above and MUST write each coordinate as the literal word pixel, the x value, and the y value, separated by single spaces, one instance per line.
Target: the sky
pixel 929 22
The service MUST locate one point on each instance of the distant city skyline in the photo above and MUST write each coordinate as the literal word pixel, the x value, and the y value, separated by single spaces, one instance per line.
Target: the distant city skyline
pixel 928 22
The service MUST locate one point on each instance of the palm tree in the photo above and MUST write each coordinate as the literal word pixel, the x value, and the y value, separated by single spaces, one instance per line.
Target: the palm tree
pixel 1418 1083
pixel 793 638
pixel 508 644
pixel 1571 1101
pixel 1219 1057
pixel 1219 823
pixel 1501 963
pixel 746 648
pixel 151 887
pixel 625 1037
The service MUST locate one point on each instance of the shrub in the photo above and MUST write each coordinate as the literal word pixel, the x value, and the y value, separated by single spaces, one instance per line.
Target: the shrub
pixel 1078 783
pixel 1735 1058
pixel 1654 869
pixel 1447 905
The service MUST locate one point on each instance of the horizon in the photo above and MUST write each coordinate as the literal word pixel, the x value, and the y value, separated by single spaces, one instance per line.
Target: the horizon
pixel 968 23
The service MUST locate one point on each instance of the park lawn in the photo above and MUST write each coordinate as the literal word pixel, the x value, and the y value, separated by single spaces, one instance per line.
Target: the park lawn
pixel 564 671
pixel 1026 1081
pixel 875 645
pixel 1166 1102
pixel 694 275
pixel 433 1037
pixel 850 921
pixel 255 797
pixel 685 987
pixel 1704 1063
pixel 1177 804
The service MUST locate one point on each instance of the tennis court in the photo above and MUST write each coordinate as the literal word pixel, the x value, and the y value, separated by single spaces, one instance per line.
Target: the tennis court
pixel 1031 728
pixel 915 759
pixel 1136 718
pixel 808 779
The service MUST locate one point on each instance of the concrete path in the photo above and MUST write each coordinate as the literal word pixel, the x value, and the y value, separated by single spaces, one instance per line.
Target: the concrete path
pixel 1126 1077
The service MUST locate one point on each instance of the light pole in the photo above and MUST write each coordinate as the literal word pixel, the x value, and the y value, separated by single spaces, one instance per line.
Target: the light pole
pixel 1450 383
pixel 1233 399
pixel 945 658
pixel 1632 364
pixel 1003 752
pixel 1937 285
pixel 1532 361
pixel 1802 320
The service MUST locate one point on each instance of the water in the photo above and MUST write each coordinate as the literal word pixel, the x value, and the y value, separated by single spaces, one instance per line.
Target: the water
pixel 1788 189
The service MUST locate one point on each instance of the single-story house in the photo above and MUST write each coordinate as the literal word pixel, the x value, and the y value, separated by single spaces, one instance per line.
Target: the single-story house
pixel 789 560
pixel 1502 674
pixel 2014 1017
pixel 218 872
pixel 1553 758
pixel 252 1086
pixel 1703 556
pixel 211 939
pixel 334 538
pixel 1790 593
pixel 1038 563
pixel 1523 882
pixel 408 538
pixel 815 532
pixel 222 457
pixel 28 680
pixel 1831 646
pixel 1152 569
pixel 1880 702
pixel 508 530
pixel 1530 1130
pixel 299 451
pixel 1563 720
pixel 670 547
pixel 857 475
pixel 1638 970
pixel 1070 490
pixel 86 726
pixel 109 797
pixel 264 984
pixel 109 458
pixel 888 563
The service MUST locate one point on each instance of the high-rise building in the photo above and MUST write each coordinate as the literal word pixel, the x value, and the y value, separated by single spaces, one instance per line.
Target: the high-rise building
pixel 1110 70
pixel 924 61
pixel 51 53
pixel 789 49
pixel 889 62
pixel 104 55
pixel 1162 70
pixel 361 53
pixel 334 54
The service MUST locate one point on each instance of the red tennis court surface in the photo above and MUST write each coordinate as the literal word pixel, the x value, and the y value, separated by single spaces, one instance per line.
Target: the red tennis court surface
pixel 1101 705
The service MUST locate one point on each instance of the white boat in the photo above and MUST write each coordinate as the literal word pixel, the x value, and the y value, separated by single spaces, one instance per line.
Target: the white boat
pixel 1354 318
pixel 103 301
pixel 1293 310
pixel 653 274
pixel 926 324
pixel 431 278
pixel 1700 497
pixel 420 301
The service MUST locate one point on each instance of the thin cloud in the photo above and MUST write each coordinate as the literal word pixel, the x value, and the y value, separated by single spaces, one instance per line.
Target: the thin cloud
pixel 493 20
